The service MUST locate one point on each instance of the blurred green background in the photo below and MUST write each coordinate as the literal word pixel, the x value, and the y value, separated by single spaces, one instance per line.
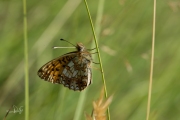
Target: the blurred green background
pixel 125 46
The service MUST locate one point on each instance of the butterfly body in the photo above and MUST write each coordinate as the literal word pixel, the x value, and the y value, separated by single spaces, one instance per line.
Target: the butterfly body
pixel 73 69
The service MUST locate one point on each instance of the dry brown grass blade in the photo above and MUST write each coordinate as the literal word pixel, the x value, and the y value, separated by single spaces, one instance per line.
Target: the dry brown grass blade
pixel 100 107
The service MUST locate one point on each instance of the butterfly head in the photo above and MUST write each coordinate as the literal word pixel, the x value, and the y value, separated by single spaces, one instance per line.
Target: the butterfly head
pixel 80 47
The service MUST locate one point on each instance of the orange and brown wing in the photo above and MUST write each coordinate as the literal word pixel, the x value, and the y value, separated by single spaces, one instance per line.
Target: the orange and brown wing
pixel 52 70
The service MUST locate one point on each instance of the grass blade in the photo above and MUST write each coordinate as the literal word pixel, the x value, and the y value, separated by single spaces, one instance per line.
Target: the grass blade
pixel 26 63
pixel 99 56
pixel 152 62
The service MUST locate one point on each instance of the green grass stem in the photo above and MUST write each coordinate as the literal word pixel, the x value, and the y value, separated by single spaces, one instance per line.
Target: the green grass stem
pixel 26 63
pixel 99 56
pixel 152 62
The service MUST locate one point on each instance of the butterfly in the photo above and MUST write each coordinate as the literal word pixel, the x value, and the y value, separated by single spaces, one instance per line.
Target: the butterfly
pixel 72 69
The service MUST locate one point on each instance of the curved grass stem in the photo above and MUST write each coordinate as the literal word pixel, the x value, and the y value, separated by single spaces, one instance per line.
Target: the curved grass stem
pixel 99 56
pixel 152 62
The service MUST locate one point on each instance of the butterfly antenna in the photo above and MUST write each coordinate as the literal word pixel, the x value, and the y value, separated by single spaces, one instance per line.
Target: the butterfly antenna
pixel 65 47
pixel 68 42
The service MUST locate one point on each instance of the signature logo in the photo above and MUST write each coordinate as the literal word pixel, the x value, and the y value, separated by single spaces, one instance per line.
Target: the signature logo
pixel 16 109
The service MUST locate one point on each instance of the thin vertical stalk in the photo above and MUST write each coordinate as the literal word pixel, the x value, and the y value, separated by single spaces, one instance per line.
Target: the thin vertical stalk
pixel 26 62
pixel 99 56
pixel 152 62
pixel 80 105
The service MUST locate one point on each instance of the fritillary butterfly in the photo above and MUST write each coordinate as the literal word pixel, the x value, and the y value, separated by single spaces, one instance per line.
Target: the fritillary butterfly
pixel 73 69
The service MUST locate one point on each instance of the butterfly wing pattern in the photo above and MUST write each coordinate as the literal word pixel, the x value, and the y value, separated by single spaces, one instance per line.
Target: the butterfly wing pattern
pixel 73 69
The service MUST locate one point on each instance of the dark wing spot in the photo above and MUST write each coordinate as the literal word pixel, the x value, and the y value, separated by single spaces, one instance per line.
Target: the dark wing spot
pixel 57 69
pixel 60 61
pixel 68 68
pixel 67 58
pixel 63 60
